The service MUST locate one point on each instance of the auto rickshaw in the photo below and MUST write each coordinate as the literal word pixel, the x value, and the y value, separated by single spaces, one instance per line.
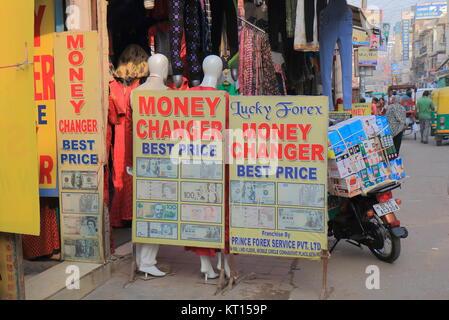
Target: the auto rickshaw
pixel 442 116
pixel 433 129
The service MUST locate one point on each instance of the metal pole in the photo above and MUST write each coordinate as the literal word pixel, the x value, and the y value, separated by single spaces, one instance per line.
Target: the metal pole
pixel 364 4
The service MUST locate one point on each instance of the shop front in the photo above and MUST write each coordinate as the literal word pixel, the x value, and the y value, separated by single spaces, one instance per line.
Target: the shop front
pixel 105 177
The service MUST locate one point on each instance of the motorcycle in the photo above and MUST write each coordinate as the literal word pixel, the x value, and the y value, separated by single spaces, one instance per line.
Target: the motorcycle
pixel 370 220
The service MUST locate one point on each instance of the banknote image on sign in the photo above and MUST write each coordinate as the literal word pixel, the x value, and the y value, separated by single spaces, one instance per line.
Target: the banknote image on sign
pixel 157 211
pixel 81 249
pixel 79 180
pixel 156 168
pixel 179 167
pixel 82 203
pixel 83 226
pixel 278 172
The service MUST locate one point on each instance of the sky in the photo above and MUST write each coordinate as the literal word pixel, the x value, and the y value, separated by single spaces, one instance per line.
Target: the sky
pixel 391 9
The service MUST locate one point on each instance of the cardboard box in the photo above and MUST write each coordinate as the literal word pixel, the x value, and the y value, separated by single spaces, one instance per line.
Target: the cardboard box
pixel 369 126
pixel 367 178
pixel 348 187
pixel 345 165
pixel 356 156
pixel 397 169
pixel 387 145
pixel 335 144
pixel 340 167
pixel 350 131
pixel 383 125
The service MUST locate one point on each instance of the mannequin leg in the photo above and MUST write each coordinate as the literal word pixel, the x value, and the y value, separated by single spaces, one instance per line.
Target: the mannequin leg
pixel 226 264
pixel 193 38
pixel 146 259
pixel 176 30
pixel 345 45
pixel 328 39
pixel 206 268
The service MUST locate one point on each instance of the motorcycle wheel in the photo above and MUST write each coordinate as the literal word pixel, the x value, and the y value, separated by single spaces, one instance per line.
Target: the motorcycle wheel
pixel 392 247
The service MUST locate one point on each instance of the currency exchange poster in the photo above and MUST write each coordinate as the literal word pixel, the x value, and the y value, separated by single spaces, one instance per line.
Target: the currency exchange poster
pixel 278 172
pixel 80 145
pixel 178 167
pixel 44 96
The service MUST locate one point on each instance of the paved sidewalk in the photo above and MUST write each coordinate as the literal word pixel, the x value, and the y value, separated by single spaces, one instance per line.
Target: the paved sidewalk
pixel 419 273
pixel 266 278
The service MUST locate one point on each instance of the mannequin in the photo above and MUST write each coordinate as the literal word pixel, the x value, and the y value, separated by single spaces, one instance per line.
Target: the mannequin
pixel 213 68
pixel 336 28
pixel 146 253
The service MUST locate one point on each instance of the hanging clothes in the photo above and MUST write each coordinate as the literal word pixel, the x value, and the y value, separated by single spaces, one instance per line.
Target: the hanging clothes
pixel 257 75
pixel 209 251
pixel 132 67
pixel 206 15
pixel 277 23
pixel 160 10
pixel 48 242
pixel 307 24
pixel 184 15
pixel 120 119
pixel 290 17
pixel 221 10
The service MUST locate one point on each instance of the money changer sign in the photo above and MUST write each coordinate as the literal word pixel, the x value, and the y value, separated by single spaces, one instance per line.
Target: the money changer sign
pixel 278 172
pixel 44 95
pixel 80 144
pixel 178 168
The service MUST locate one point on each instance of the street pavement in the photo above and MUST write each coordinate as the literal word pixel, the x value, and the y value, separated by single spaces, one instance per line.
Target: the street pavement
pixel 421 272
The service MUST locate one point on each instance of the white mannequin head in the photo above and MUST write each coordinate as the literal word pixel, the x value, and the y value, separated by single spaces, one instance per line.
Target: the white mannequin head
pixel 158 65
pixel 212 68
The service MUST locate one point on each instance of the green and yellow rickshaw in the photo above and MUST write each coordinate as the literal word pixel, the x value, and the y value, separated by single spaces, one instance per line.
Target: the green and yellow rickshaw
pixel 442 116
pixel 433 129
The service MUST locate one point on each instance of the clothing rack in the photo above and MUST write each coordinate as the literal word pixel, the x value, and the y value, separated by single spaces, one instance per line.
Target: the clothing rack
pixel 251 24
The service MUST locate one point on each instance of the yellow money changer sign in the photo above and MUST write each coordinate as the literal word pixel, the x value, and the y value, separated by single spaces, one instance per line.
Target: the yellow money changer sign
pixel 19 189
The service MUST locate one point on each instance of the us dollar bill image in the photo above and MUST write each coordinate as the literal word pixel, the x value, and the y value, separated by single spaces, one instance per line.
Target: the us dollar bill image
pixel 79 180
pixel 81 249
pixel 205 192
pixel 249 192
pixel 159 230
pixel 84 226
pixel 201 213
pixel 156 168
pixel 157 190
pixel 83 203
pixel 297 219
pixel 201 233
pixel 202 170
pixel 253 217
pixel 157 211
pixel 301 195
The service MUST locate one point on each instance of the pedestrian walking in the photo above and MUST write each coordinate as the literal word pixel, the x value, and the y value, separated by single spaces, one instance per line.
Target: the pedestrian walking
pixel 374 105
pixel 382 108
pixel 425 107
pixel 397 119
